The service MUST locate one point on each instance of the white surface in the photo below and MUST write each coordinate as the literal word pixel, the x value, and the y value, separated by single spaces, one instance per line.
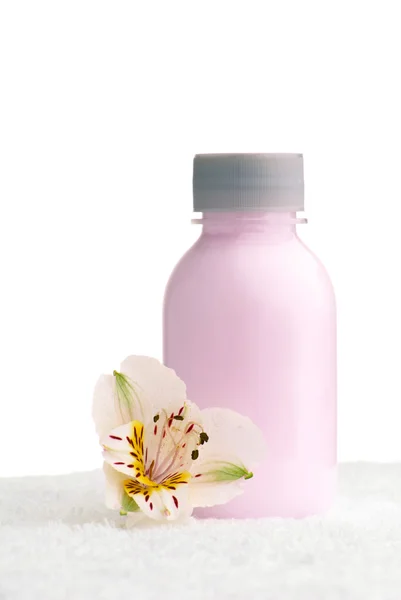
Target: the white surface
pixel 59 542
pixel 102 106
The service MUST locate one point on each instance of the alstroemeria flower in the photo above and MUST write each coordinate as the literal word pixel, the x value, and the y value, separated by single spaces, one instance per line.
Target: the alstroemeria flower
pixel 163 455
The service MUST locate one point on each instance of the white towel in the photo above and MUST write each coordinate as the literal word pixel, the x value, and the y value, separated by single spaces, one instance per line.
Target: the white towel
pixel 59 542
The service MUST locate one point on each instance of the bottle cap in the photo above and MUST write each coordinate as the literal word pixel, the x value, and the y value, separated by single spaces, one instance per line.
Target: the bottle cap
pixel 235 182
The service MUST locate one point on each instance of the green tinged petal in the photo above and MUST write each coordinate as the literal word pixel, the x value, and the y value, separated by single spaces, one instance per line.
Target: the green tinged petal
pixel 226 471
pixel 127 396
pixel 128 504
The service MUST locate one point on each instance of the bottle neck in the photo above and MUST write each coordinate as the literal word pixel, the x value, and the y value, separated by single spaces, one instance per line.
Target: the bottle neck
pixel 268 224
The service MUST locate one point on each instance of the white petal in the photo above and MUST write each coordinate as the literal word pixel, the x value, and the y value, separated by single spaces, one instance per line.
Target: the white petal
pixel 164 504
pixel 128 402
pixel 236 445
pixel 114 487
pixel 211 494
pixel 141 388
pixel 157 386
pixel 232 438
pixel 171 439
pixel 123 449
pixel 115 492
pixel 104 409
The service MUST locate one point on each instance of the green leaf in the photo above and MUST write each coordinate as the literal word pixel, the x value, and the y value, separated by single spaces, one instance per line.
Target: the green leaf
pixel 128 504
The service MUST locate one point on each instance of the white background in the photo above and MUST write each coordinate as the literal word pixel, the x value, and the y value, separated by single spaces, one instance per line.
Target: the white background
pixel 102 106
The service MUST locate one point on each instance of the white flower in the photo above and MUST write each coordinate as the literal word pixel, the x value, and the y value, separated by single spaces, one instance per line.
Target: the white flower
pixel 163 455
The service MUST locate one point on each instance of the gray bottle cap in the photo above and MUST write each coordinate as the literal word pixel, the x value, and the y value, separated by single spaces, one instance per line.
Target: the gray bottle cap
pixel 231 182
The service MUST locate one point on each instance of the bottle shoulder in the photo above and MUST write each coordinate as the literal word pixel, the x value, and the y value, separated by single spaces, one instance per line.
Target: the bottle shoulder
pixel 216 254
pixel 309 256
pixel 185 265
pixel 290 263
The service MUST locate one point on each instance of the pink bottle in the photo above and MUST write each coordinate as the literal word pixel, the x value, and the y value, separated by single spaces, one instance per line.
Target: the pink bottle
pixel 250 324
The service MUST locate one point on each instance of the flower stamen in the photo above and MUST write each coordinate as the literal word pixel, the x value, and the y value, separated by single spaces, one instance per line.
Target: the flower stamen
pixel 203 437
pixel 151 469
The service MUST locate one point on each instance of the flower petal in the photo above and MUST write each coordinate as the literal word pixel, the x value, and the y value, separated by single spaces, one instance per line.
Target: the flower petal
pixel 233 438
pixel 157 386
pixel 166 502
pixel 141 388
pixel 114 487
pixel 105 411
pixel 123 450
pixel 128 504
pixel 130 405
pixel 234 447
pixel 209 494
pixel 170 439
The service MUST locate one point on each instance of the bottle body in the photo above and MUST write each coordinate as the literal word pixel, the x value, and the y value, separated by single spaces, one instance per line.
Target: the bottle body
pixel 250 324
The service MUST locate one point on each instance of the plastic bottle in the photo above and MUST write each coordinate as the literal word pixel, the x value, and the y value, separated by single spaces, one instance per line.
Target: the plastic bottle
pixel 250 324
